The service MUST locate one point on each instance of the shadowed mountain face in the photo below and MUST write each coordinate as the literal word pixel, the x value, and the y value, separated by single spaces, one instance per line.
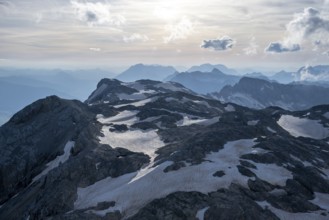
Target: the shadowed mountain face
pixel 257 93
pixel 205 82
pixel 154 150
pixel 141 71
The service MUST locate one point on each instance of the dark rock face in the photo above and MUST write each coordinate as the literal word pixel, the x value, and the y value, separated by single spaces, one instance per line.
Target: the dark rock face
pixel 40 132
pixel 165 140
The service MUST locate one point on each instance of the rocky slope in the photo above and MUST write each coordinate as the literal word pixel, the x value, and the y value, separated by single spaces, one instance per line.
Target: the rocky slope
pixel 258 94
pixel 153 150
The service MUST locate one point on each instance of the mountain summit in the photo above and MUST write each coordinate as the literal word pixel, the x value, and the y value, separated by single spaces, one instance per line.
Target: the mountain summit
pixel 154 150
pixel 141 71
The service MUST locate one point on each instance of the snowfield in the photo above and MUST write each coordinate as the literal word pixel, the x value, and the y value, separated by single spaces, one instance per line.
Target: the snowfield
pixel 303 127
pixel 152 182
pixel 134 140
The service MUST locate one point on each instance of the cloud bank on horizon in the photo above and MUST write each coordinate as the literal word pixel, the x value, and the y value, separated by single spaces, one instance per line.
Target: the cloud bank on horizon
pixel 101 32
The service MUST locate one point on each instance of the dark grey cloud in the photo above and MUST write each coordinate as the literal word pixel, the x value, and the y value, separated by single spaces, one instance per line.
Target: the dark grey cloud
pixel 278 47
pixel 223 43
pixel 95 14
pixel 91 16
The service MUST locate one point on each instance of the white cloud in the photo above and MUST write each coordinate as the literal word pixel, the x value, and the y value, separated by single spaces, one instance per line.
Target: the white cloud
pixel 220 44
pixel 309 25
pixel 326 53
pixel 96 13
pixel 180 30
pixel 135 37
pixel 305 24
pixel 95 49
pixel 252 49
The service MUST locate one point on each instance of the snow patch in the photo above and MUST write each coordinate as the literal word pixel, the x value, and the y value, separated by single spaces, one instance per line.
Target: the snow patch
pixel 124 117
pixel 200 213
pixel 321 200
pixel 188 120
pixel 137 104
pixel 326 115
pixel 57 161
pixel 134 140
pixel 152 182
pixel 303 127
pixel 229 108
pixel 134 96
pixel 271 130
pixel 272 173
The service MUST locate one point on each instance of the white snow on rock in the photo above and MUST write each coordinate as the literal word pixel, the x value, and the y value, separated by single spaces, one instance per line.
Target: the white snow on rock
pixel 134 96
pixel 229 108
pixel 272 173
pixel 271 130
pixel 200 213
pixel 326 115
pixel 284 215
pixel 57 161
pixel 134 140
pixel 139 103
pixel 303 127
pixel 321 200
pixel 124 117
pixel 189 120
pixel 152 182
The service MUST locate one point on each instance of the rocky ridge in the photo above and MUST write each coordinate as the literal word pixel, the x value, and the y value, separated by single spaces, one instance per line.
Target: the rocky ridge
pixel 153 150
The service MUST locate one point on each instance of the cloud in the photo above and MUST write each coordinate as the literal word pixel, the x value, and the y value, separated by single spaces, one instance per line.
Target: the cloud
pixel 223 43
pixel 135 38
pixel 252 49
pixel 96 13
pixel 306 24
pixel 309 25
pixel 309 73
pixel 326 53
pixel 278 47
pixel 180 30
pixel 95 49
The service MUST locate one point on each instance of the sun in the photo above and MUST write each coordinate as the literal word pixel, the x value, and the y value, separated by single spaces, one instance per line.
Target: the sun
pixel 166 12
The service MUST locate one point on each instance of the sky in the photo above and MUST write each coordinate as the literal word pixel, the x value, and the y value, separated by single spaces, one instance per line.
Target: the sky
pixel 281 34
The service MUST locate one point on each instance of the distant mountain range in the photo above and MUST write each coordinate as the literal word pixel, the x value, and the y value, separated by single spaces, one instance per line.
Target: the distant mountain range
pixel 141 71
pixel 205 82
pixel 209 67
pixel 258 94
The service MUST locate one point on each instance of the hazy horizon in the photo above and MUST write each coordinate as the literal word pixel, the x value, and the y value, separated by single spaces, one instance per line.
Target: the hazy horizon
pixel 103 34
